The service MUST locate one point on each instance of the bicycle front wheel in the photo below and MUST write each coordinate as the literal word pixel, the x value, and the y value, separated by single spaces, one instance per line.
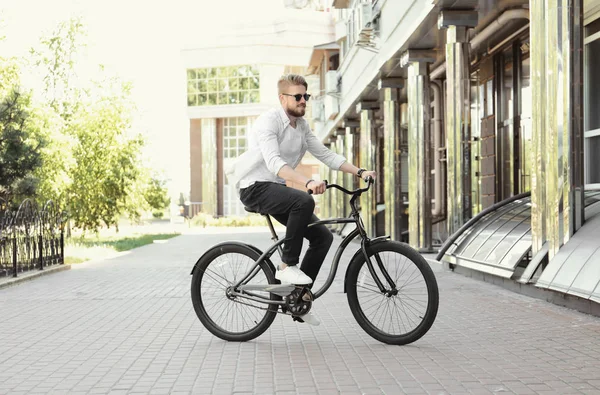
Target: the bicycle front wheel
pixel 404 314
pixel 232 318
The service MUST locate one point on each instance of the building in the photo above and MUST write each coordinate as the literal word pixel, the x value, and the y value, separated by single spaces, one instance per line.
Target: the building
pixel 481 118
pixel 231 81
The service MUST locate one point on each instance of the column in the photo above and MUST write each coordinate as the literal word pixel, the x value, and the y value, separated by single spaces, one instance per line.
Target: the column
pixel 208 129
pixel 332 194
pixel 367 151
pixel 419 148
pixel 195 160
pixel 324 200
pixel 391 161
pixel 342 198
pixel 458 115
pixel 556 79
pixel 352 130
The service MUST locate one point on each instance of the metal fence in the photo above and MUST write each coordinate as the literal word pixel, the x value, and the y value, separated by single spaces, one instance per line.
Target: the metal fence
pixel 30 239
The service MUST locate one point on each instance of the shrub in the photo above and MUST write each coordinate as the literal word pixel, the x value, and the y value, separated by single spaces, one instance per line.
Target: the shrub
pixel 205 220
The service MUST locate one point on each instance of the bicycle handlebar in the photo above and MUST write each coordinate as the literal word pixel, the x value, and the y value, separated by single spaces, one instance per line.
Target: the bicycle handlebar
pixel 369 182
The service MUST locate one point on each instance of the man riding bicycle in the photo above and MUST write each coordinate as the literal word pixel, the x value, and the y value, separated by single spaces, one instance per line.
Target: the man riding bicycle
pixel 282 136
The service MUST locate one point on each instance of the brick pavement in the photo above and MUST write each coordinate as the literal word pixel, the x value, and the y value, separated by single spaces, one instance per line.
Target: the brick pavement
pixel 127 326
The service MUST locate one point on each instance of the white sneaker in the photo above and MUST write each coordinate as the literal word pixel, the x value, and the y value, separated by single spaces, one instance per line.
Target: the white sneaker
pixel 309 318
pixel 292 275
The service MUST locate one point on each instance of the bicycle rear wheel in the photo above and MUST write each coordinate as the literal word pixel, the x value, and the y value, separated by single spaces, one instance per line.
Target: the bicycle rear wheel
pixel 226 316
pixel 402 316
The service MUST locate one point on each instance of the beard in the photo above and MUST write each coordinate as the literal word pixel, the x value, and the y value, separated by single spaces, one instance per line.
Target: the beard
pixel 297 111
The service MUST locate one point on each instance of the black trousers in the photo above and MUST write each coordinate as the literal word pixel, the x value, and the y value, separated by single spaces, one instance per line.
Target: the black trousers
pixel 294 209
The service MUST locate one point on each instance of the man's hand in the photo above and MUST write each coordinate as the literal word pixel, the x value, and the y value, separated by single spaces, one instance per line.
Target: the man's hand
pixel 318 187
pixel 368 173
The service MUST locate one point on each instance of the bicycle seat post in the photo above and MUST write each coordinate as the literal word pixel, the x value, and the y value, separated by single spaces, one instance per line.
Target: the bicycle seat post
pixel 274 237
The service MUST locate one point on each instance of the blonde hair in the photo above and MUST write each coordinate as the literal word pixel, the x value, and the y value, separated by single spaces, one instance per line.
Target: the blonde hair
pixel 290 80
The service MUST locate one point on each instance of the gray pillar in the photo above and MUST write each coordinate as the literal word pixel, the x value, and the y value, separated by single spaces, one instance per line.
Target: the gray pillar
pixel 349 179
pixel 391 161
pixel 556 79
pixel 458 115
pixel 332 194
pixel 367 150
pixel 325 201
pixel 419 148
pixel 340 149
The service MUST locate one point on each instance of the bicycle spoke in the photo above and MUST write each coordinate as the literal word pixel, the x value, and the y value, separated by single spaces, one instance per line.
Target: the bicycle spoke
pixel 237 315
pixel 396 314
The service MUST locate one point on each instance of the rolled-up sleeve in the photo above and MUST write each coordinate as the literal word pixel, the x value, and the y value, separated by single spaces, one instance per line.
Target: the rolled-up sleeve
pixel 322 153
pixel 266 134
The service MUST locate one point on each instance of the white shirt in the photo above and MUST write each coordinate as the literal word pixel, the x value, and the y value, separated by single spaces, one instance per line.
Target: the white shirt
pixel 280 144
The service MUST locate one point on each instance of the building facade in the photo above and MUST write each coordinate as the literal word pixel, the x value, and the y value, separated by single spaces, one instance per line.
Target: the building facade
pixel 481 119
pixel 231 81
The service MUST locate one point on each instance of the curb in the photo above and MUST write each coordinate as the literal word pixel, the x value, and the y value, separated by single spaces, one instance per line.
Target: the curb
pixel 33 274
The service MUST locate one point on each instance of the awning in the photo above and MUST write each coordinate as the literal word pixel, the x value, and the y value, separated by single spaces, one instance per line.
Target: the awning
pixel 317 55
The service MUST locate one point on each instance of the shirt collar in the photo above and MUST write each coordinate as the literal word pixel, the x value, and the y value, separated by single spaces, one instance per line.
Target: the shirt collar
pixel 283 116
pixel 285 119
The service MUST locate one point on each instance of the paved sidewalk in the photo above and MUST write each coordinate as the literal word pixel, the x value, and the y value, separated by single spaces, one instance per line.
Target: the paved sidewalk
pixel 127 325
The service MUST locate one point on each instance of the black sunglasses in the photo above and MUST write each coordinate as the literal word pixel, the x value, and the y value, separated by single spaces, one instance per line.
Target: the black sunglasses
pixel 306 96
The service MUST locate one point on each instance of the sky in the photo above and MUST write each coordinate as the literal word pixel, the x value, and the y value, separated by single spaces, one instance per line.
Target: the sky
pixel 140 41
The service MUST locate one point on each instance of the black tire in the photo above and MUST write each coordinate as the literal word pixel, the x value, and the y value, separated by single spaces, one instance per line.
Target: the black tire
pixel 418 267
pixel 259 319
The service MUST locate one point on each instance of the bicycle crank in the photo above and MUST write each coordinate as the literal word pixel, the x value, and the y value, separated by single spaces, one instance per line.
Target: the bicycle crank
pixel 299 301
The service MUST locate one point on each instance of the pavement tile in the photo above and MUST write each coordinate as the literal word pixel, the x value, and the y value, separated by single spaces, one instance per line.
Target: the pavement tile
pixel 127 325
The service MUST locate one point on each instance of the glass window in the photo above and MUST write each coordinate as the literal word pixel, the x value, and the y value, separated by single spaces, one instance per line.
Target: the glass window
pixel 489 97
pixel 592 85
pixel 591 104
pixel 223 85
pixel 593 165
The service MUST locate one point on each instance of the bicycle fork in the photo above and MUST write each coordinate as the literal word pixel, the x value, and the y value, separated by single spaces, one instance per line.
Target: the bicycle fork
pixel 388 292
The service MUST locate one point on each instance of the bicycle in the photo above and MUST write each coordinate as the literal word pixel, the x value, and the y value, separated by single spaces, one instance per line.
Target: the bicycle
pixel 255 290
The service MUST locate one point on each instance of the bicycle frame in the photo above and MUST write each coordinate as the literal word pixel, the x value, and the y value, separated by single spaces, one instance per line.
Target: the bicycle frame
pixel 360 230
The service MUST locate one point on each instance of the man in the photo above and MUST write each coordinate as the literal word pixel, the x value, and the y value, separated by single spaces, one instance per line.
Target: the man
pixel 283 137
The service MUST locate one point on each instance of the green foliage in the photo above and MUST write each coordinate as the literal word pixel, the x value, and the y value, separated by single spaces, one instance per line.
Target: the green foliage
pixel 20 148
pixel 158 214
pixel 72 142
pixel 120 244
pixel 93 162
pixel 157 195
pixel 107 172
pixel 205 220
pixel 57 58
pixel 81 249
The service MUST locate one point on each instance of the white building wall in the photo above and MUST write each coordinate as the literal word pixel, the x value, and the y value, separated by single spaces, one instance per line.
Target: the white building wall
pixel 285 39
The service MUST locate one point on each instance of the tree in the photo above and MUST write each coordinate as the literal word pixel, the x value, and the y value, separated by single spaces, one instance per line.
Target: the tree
pixel 157 196
pixel 107 175
pixel 94 168
pixel 20 142
pixel 57 58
